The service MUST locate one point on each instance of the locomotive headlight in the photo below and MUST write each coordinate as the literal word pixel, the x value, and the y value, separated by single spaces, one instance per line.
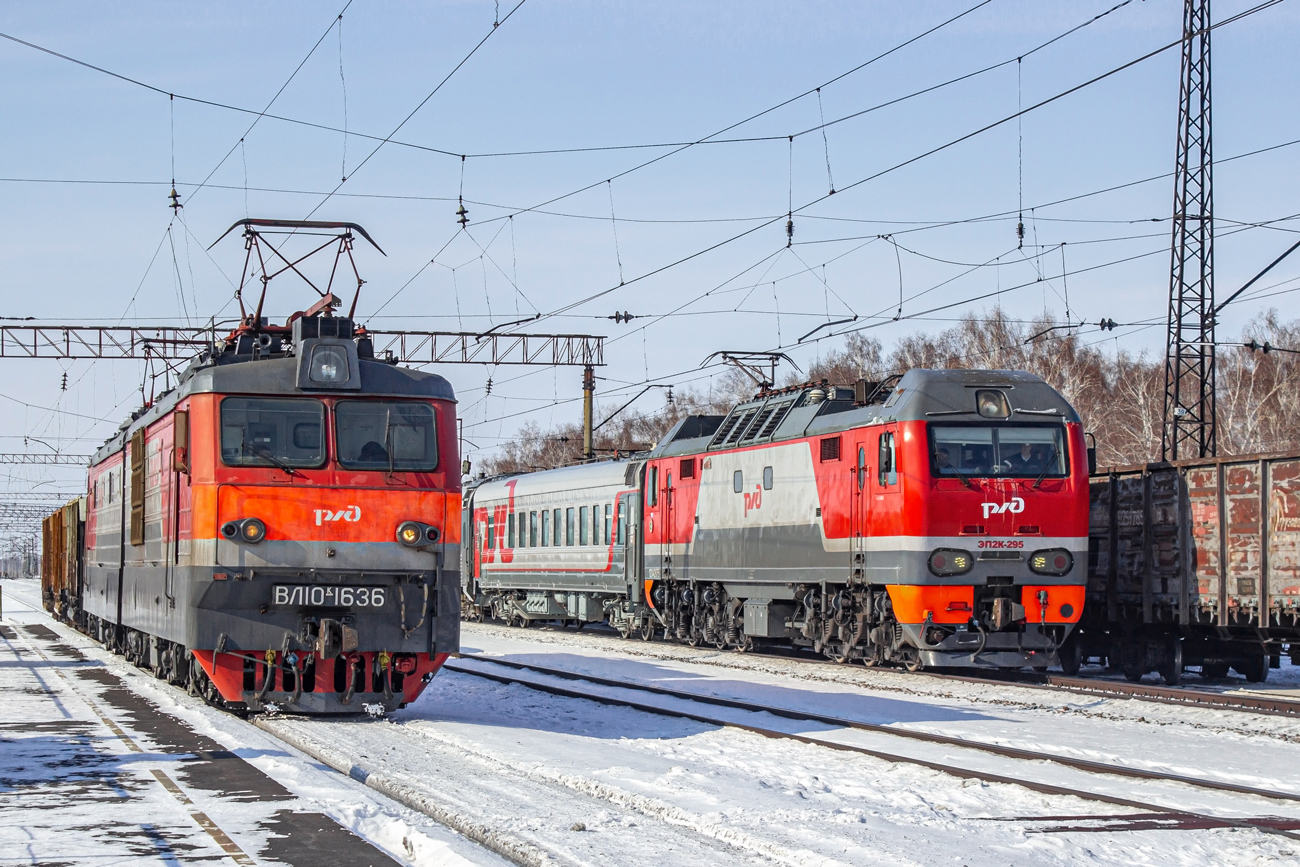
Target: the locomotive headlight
pixel 1053 561
pixel 950 561
pixel 253 530
pixel 992 404
pixel 329 364
pixel 410 533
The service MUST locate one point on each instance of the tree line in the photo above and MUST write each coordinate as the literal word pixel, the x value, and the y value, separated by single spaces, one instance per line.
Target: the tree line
pixel 1118 393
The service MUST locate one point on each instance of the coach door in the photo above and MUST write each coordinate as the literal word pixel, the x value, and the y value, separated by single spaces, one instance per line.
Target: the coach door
pixel 859 510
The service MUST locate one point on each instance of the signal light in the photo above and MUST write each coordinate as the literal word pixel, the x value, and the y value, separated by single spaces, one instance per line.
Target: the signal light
pixel 1053 561
pixel 950 561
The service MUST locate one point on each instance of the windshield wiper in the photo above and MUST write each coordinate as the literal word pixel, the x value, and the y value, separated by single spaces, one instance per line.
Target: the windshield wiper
pixel 943 464
pixel 388 438
pixel 263 453
pixel 1047 465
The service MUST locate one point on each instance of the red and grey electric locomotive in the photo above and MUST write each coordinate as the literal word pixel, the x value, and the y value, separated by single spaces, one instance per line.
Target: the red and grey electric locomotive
pixel 937 519
pixel 282 528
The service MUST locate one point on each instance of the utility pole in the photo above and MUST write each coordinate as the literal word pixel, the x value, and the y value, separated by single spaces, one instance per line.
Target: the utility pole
pixel 588 391
pixel 1188 429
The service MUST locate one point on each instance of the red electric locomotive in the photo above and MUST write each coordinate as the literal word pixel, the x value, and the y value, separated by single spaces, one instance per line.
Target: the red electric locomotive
pixel 280 530
pixel 937 519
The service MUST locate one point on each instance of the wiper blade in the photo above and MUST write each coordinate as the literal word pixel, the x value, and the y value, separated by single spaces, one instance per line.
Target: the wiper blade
pixel 263 453
pixel 388 438
pixel 1047 465
pixel 945 465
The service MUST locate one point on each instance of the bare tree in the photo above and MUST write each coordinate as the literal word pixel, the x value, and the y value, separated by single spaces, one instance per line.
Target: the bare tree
pixel 1120 397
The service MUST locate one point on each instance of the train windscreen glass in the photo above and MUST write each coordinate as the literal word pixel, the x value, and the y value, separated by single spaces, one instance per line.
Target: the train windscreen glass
pixel 386 435
pixel 1010 451
pixel 267 432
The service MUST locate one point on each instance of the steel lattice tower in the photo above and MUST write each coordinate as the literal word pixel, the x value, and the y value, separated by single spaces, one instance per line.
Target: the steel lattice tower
pixel 1189 412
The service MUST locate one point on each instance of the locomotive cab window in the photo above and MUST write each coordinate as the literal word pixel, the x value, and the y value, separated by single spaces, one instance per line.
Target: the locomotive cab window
pixel 652 487
pixel 386 435
pixel 272 432
pixel 767 478
pixel 888 473
pixel 1013 451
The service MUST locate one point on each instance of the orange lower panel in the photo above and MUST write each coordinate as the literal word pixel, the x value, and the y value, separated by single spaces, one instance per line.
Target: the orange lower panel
pixel 1064 603
pixel 953 604
pixel 944 604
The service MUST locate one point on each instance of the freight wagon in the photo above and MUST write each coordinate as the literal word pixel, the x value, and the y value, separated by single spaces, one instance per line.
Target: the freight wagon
pixel 1194 563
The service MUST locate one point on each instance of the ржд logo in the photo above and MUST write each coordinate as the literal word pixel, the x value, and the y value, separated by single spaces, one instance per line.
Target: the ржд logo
pixel 1015 507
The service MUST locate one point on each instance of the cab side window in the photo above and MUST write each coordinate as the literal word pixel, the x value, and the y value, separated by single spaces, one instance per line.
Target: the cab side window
pixel 888 473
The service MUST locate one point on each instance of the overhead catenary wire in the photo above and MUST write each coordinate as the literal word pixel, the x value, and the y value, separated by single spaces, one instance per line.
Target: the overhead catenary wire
pixel 911 160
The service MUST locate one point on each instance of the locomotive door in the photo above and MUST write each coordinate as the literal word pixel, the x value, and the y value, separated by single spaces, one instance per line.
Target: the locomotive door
pixel 666 533
pixel 859 512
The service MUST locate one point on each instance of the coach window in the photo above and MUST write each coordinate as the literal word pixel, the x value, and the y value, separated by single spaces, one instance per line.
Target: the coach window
pixel 272 432
pixel 532 529
pixel 386 435
pixel 767 478
pixel 608 522
pixel 523 529
pixel 555 539
pixel 568 526
pixel 652 487
pixel 510 531
pixel 738 481
pixel 546 527
pixel 491 539
pixel 595 524
pixel 622 521
pixel 582 525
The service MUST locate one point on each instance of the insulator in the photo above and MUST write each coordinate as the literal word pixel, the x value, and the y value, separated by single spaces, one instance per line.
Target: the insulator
pixel 487 389
pixel 462 215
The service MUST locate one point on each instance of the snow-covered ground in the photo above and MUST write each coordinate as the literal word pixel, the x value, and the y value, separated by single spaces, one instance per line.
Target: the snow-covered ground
pixel 75 791
pixel 573 782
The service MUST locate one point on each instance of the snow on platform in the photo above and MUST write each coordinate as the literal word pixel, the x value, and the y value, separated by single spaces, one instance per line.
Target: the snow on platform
pixel 102 765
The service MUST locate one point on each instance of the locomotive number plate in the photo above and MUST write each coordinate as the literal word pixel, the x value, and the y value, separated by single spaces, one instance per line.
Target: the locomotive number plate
pixel 328 594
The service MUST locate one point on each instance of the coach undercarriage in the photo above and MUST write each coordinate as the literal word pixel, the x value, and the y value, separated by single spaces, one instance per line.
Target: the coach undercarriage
pixel 843 623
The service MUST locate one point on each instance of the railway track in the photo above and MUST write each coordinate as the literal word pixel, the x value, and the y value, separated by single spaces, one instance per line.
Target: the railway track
pixel 1184 696
pixel 1148 692
pixel 1098 772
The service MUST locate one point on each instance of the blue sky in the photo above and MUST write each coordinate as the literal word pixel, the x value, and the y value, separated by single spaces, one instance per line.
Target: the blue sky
pixel 585 74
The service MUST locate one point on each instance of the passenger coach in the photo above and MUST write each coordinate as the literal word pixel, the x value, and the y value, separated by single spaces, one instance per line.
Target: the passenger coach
pixel 939 518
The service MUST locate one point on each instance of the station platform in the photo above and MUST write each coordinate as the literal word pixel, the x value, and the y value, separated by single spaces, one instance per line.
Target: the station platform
pixel 92 773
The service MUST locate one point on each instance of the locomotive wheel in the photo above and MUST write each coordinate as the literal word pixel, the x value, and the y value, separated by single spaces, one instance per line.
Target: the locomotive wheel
pixel 648 630
pixel 1071 656
pixel 911 658
pixel 745 644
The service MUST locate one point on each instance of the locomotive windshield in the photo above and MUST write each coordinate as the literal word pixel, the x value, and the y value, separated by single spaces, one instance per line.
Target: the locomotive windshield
pixel 272 432
pixel 386 435
pixel 1009 451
